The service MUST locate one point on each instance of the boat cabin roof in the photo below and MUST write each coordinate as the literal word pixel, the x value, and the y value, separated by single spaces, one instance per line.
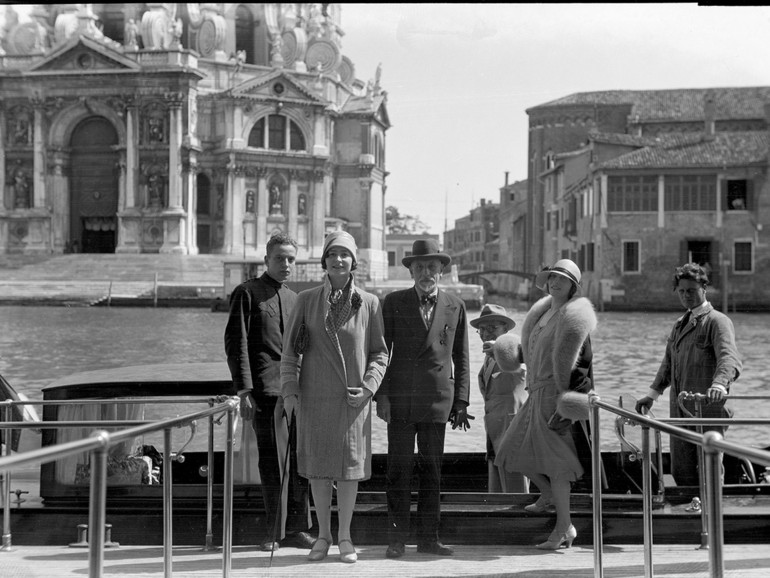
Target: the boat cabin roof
pixel 211 378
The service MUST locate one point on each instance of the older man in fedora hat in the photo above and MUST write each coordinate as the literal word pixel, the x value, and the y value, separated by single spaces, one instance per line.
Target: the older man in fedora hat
pixel 504 393
pixel 427 384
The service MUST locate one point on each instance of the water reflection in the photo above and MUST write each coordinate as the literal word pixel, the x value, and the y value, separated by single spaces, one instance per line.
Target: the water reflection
pixel 39 344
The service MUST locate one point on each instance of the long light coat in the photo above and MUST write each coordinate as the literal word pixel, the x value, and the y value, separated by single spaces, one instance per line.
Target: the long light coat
pixel 333 438
pixel 553 367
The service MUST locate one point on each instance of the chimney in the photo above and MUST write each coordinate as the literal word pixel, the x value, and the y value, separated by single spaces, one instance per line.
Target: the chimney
pixel 709 112
pixel 506 178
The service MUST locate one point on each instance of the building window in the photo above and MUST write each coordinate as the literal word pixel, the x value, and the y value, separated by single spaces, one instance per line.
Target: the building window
pixel 589 257
pixel 743 257
pixel 631 261
pixel 280 131
pixel 737 195
pixel 632 194
pixel 690 193
pixel 391 258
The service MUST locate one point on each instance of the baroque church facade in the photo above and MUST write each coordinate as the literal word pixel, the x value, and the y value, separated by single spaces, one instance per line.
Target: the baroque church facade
pixel 187 128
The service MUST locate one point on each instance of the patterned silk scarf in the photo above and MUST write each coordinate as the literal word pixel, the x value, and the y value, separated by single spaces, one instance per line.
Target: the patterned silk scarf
pixel 338 313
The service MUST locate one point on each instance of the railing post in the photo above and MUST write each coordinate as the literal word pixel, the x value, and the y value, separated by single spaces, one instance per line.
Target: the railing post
pixel 97 506
pixel 714 503
pixel 647 500
pixel 209 545
pixel 6 438
pixel 704 517
pixel 227 517
pixel 168 533
pixel 596 467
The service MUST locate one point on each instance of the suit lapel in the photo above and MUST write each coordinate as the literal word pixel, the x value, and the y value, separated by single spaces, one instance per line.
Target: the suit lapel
pixel 442 313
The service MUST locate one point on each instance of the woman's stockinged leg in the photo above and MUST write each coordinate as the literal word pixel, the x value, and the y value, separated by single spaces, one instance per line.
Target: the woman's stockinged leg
pixel 561 497
pixel 347 493
pixel 322 498
pixel 542 482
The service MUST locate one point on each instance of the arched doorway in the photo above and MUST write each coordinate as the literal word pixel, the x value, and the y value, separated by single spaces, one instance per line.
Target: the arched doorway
pixel 94 186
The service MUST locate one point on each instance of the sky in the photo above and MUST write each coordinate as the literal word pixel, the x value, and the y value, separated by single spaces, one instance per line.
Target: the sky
pixel 460 77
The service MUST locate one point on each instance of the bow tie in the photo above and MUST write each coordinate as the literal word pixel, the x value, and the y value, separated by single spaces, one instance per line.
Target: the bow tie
pixel 425 299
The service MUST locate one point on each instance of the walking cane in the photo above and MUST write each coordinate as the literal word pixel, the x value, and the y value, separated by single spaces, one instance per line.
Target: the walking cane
pixel 283 480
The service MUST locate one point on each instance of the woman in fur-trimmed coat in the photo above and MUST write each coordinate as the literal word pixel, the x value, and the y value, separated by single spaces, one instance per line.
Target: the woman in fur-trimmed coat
pixel 555 345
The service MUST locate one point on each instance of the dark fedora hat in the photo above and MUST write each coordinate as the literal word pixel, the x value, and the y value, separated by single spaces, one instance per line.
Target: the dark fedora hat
pixel 426 249
pixel 492 312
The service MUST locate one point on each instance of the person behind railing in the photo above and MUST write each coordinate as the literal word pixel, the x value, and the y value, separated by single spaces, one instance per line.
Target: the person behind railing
pixel 700 357
pixel 334 358
pixel 542 442
pixel 259 312
pixel 504 393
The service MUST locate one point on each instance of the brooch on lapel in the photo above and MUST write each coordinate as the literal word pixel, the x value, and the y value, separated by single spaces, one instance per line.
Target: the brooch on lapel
pixel 443 334
pixel 355 301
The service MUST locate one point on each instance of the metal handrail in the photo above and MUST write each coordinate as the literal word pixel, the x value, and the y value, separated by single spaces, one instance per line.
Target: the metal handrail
pixel 714 445
pixel 98 444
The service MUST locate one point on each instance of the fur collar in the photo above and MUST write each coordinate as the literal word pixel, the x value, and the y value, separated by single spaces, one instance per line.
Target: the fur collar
pixel 575 320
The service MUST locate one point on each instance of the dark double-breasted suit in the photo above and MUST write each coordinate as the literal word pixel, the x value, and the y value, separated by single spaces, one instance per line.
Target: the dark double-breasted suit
pixel 428 376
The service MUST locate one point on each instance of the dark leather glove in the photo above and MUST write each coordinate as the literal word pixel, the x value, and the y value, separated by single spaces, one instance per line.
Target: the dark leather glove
pixel 644 405
pixel 459 417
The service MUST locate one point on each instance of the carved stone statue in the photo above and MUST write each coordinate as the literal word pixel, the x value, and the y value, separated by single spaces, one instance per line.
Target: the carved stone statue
pixel 250 204
pixel 131 34
pixel 301 205
pixel 276 200
pixel 21 198
pixel 155 191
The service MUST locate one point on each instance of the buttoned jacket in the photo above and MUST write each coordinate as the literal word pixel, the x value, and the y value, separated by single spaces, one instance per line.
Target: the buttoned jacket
pixel 699 354
pixel 429 369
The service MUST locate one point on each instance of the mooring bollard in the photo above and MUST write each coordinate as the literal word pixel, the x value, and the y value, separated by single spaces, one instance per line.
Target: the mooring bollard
pixel 83 537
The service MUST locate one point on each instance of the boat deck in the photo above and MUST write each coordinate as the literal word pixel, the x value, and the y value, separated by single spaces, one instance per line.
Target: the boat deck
pixel 626 561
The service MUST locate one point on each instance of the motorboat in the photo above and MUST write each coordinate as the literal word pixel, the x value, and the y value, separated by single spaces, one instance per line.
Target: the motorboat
pixel 48 505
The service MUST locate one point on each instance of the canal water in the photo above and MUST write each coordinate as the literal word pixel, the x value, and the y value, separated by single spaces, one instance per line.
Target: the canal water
pixel 39 344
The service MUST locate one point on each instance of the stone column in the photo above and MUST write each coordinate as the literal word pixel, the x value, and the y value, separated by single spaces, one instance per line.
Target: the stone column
pixel 38 171
pixel 59 203
pixel 132 168
pixel 318 214
pixel 238 209
pixel 292 208
pixel 189 177
pixel 2 165
pixel 174 152
pixel 661 201
pixel 227 246
pixel 719 208
pixel 262 207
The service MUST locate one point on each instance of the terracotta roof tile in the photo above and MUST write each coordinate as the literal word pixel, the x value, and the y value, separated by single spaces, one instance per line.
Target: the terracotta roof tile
pixel 675 104
pixel 686 151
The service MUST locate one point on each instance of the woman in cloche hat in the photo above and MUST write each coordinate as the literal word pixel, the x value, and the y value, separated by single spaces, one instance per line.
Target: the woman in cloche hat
pixel 334 358
pixel 556 346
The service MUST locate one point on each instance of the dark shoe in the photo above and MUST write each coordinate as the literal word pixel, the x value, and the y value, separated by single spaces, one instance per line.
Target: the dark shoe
pixel 395 550
pixel 436 548
pixel 267 545
pixel 302 540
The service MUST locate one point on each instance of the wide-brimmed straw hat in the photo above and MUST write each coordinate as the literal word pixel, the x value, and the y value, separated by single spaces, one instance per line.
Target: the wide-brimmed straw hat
pixel 426 249
pixel 564 267
pixel 492 312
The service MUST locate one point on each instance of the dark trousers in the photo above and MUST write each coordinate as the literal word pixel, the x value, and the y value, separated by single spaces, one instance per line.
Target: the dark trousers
pixel 272 436
pixel 684 458
pixel 401 461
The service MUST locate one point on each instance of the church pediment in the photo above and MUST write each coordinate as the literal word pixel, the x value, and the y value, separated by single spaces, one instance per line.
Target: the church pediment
pixel 85 55
pixel 277 86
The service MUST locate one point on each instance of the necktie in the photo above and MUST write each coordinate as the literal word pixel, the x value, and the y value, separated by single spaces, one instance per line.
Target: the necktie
pixel 428 299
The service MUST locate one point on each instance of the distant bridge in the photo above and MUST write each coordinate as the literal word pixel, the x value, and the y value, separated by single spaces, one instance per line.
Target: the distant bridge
pixel 475 276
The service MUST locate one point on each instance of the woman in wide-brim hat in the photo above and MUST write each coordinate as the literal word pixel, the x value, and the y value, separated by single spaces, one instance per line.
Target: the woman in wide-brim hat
pixel 334 358
pixel 556 346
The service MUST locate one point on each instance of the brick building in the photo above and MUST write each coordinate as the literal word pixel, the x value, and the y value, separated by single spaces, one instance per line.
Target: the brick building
pixel 631 184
